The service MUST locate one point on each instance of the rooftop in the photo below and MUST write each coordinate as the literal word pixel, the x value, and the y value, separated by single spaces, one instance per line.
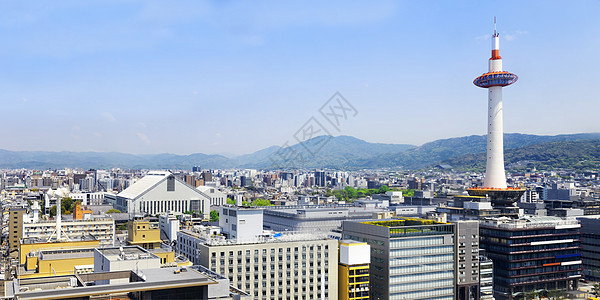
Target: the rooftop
pixel 401 222
pixel 85 285
pixel 66 253
pixel 142 185
pixel 126 253
pixel 42 240
pixel 282 237
pixel 531 222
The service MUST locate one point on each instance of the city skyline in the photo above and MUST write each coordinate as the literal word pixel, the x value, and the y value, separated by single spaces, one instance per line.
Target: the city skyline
pixel 211 77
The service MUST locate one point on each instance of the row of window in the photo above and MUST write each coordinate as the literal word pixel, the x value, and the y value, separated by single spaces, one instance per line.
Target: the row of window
pixel 422 268
pixel 446 293
pixel 442 283
pixel 421 251
pixel 448 274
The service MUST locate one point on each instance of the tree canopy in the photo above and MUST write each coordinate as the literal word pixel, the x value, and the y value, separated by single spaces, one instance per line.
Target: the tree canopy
pixel 214 216
pixel 257 202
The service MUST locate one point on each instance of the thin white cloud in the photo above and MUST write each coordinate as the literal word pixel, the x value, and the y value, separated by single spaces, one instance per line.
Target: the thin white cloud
pixel 143 138
pixel 142 125
pixel 108 117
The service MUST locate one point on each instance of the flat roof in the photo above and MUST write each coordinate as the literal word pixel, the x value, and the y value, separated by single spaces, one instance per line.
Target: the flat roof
pixel 401 222
pixel 154 279
pixel 39 240
pixel 66 253
pixel 126 253
pixel 279 237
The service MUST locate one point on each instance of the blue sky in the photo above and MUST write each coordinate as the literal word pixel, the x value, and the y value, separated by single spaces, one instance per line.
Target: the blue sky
pixel 238 76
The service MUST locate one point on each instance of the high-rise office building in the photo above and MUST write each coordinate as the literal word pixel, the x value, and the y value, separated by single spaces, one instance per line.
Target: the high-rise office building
pixel 590 242
pixel 320 178
pixel 410 258
pixel 532 254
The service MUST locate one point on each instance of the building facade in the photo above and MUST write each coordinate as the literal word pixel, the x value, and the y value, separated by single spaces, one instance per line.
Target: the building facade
pixel 240 222
pixel 292 266
pixel 161 192
pixel 15 227
pixel 532 254
pixel 410 258
pixel 467 260
pixel 353 270
pixel 101 228
pixel 590 242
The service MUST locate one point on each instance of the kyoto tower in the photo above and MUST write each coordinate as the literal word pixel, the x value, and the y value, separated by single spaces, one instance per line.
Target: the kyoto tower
pixel 494 184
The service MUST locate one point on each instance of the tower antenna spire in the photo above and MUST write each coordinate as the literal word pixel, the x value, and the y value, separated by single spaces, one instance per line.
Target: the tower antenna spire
pixel 495 34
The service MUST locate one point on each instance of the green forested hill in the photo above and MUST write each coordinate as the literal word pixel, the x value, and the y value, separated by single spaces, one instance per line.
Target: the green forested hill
pixel 576 155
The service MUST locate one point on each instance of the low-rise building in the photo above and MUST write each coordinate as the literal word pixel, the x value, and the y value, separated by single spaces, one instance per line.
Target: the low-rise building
pixel 169 225
pixel 240 222
pixel 161 192
pixel 136 284
pixel 283 266
pixel 101 227
pixel 216 197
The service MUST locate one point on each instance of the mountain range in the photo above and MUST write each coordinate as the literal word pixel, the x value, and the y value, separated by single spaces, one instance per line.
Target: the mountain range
pixel 341 152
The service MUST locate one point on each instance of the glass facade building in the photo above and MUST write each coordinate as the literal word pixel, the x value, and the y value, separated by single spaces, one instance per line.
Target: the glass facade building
pixel 410 258
pixel 532 254
pixel 590 242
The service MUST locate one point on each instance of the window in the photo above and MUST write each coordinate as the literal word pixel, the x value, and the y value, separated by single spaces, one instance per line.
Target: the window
pixel 171 184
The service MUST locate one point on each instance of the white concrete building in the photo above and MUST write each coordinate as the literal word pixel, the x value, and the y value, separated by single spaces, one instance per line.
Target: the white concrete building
pixel 216 197
pixel 240 223
pixel 288 266
pixel 102 228
pixel 160 192
pixel 169 224
pixel 96 198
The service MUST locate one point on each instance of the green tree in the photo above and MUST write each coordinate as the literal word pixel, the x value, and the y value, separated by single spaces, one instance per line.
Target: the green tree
pixel 351 192
pixel 53 211
pixel 261 202
pixel 383 189
pixel 214 216
pixel 66 205
pixel 230 201
pixel 408 193
pixel 113 211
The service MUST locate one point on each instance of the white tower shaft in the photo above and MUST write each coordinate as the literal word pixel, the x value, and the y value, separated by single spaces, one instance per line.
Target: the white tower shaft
pixel 495 176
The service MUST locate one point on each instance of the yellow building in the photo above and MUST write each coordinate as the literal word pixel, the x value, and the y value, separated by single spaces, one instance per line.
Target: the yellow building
pixel 40 258
pixel 141 233
pixel 35 245
pixel 353 270
pixel 58 262
pixel 79 213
